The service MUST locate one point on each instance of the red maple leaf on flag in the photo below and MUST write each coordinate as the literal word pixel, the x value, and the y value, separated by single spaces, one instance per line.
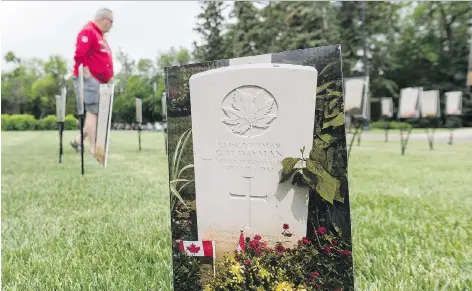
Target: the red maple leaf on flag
pixel 193 249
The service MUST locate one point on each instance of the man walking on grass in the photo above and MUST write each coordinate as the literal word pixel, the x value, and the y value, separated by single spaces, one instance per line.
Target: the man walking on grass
pixel 92 51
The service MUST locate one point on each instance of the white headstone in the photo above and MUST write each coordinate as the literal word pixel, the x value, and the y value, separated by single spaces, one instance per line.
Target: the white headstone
pixel 409 103
pixel 387 106
pixel 139 110
pixel 61 105
pixel 454 103
pixel 105 107
pixel 356 97
pixel 429 102
pixel 245 120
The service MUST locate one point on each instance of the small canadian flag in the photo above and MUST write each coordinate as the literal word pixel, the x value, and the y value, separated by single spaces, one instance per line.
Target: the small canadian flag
pixel 241 242
pixel 204 248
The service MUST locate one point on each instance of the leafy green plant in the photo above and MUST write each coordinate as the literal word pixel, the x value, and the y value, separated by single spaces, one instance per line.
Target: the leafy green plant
pixel 186 272
pixel 312 170
pixel 176 182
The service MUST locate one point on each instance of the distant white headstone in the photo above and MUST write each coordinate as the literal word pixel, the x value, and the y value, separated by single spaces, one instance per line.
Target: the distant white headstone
pixel 409 106
pixel 103 123
pixel 387 106
pixel 252 117
pixel 454 103
pixel 139 110
pixel 356 99
pixel 61 105
pixel 429 102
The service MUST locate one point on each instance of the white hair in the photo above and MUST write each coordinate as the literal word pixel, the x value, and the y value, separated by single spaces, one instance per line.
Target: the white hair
pixel 102 13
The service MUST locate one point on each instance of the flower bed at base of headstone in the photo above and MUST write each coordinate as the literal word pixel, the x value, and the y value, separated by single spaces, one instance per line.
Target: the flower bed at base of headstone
pixel 321 262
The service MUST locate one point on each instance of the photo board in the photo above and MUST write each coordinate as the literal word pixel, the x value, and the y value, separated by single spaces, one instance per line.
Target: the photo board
pixel 139 110
pixel 356 92
pixel 453 103
pixel 430 104
pixel 409 104
pixel 386 104
pixel 105 107
pixel 61 105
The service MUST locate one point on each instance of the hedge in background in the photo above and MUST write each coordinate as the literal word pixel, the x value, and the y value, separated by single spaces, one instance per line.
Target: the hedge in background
pixel 391 125
pixel 21 122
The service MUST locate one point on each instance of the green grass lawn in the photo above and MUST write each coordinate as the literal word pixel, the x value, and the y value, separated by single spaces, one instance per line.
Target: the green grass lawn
pixel 109 230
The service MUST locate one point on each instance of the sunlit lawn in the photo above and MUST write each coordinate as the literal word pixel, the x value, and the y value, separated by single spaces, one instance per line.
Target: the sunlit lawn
pixel 109 230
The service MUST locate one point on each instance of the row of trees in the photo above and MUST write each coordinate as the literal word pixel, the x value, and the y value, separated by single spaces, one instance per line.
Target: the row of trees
pixel 407 44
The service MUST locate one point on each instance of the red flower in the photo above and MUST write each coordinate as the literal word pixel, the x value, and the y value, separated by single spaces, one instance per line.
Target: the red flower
pixel 322 230
pixel 254 244
pixel 346 252
pixel 327 249
pixel 286 226
pixel 306 241
pixel 280 248
pixel 257 237
pixel 247 262
pixel 314 274
pixel 333 242
pixel 258 251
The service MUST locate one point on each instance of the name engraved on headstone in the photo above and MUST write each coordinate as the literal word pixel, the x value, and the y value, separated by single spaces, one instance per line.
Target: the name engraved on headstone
pixel 251 156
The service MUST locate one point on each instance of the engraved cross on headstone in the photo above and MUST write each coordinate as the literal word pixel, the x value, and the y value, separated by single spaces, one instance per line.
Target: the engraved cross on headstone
pixel 249 197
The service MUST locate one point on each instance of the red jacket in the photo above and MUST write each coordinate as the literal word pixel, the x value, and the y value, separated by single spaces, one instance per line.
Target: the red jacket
pixel 92 51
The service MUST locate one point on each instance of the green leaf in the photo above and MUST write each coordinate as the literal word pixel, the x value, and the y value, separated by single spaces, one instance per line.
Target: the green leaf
pixel 327 67
pixel 334 93
pixel 288 164
pixel 185 168
pixel 326 185
pixel 179 180
pixel 177 194
pixel 323 87
pixel 327 138
pixel 286 176
pixel 309 178
pixel 302 150
pixel 178 153
pixel 337 121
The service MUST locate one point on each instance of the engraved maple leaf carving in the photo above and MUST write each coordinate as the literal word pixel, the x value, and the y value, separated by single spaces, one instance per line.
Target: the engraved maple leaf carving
pixel 193 249
pixel 249 111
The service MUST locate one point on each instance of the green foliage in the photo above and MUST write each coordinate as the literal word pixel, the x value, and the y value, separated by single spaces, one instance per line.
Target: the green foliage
pixel 186 272
pixel 210 27
pixel 48 123
pixel 177 183
pixel 22 122
pixel 19 122
pixel 314 170
pixel 70 122
pixel 322 262
pixel 390 125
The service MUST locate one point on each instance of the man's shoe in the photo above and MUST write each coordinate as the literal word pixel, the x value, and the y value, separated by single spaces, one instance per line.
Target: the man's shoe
pixel 75 146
